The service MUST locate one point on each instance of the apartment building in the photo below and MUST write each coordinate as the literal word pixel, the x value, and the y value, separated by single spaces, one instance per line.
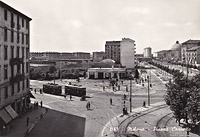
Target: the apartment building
pixel 112 51
pixel 193 55
pixel 147 52
pixel 14 62
pixel 127 53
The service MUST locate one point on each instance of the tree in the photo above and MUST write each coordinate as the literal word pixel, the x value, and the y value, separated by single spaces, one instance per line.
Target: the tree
pixel 183 97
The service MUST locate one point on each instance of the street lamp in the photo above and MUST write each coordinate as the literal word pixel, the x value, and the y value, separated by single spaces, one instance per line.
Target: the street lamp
pixel 148 92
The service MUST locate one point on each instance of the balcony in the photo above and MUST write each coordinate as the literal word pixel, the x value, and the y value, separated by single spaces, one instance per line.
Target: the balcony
pixel 18 77
pixel 16 61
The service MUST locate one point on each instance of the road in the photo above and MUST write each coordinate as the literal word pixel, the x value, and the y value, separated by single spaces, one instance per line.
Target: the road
pixel 101 110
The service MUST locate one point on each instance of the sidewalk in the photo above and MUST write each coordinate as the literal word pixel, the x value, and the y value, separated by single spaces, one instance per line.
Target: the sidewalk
pixel 18 127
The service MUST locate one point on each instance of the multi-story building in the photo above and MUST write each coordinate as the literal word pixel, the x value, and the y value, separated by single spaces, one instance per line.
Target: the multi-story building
pixel 14 61
pixel 147 52
pixel 193 55
pixel 112 51
pixel 98 56
pixel 187 45
pixel 127 53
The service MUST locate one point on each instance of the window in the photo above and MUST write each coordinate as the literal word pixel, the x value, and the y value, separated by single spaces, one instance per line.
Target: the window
pixel 18 26
pixel 17 37
pixel 6 92
pixel 27 24
pixel 5 52
pixel 27 67
pixel 27 82
pixel 5 34
pixel 5 71
pixel 12 52
pixel 18 68
pixel 18 52
pixel 22 67
pixel 18 86
pixel 22 22
pixel 22 84
pixel 27 39
pixel 12 71
pixel 27 53
pixel 22 52
pixel 22 38
pixel 5 14
pixel 12 20
pixel 12 89
pixel 12 36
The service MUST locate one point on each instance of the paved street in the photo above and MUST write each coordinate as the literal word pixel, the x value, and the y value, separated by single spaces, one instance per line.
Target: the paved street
pixel 101 110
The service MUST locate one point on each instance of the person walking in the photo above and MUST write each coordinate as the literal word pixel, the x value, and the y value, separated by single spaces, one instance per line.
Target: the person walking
pixel 35 91
pixel 124 97
pixel 110 101
pixel 27 121
pixel 144 104
pixel 70 97
pixel 41 104
pixel 89 105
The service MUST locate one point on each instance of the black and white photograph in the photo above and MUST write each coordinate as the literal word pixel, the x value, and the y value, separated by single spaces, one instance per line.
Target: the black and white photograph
pixel 99 68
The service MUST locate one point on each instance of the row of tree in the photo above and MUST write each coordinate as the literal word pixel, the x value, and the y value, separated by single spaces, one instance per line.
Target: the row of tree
pixel 183 95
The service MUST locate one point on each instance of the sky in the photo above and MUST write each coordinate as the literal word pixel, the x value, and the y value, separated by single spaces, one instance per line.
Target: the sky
pixel 85 25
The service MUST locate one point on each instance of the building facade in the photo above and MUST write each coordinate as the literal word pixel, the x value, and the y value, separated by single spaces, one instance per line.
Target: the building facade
pixel 14 60
pixel 127 55
pixel 147 52
pixel 193 56
pixel 187 45
pixel 98 56
pixel 112 51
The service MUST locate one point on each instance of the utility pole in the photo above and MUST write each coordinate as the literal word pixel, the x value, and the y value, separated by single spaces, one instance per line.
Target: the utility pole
pixel 130 94
pixel 148 92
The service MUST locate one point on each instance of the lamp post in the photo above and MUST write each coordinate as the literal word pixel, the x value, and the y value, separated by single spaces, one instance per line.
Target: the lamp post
pixel 130 94
pixel 148 92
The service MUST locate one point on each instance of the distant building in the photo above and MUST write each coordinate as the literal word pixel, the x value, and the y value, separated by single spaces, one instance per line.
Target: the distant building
pixel 81 55
pixel 98 56
pixel 122 52
pixel 187 45
pixel 147 52
pixel 112 51
pixel 59 55
pixel 193 55
pixel 14 62
pixel 127 50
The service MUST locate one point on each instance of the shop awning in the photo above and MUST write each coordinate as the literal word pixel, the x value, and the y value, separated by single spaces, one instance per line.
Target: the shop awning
pixel 5 116
pixel 11 111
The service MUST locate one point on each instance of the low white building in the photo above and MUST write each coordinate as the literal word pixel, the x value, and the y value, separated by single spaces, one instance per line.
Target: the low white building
pixel 106 73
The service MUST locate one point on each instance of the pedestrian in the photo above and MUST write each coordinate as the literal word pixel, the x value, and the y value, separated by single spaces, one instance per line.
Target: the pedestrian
pixel 27 121
pixel 65 96
pixel 35 91
pixel 124 97
pixel 122 82
pixel 126 88
pixel 40 91
pixel 144 104
pixel 89 105
pixel 103 88
pixel 70 97
pixel 118 87
pixel 110 101
pixel 41 104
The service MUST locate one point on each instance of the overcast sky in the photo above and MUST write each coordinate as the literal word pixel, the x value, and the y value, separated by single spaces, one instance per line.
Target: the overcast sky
pixel 85 25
